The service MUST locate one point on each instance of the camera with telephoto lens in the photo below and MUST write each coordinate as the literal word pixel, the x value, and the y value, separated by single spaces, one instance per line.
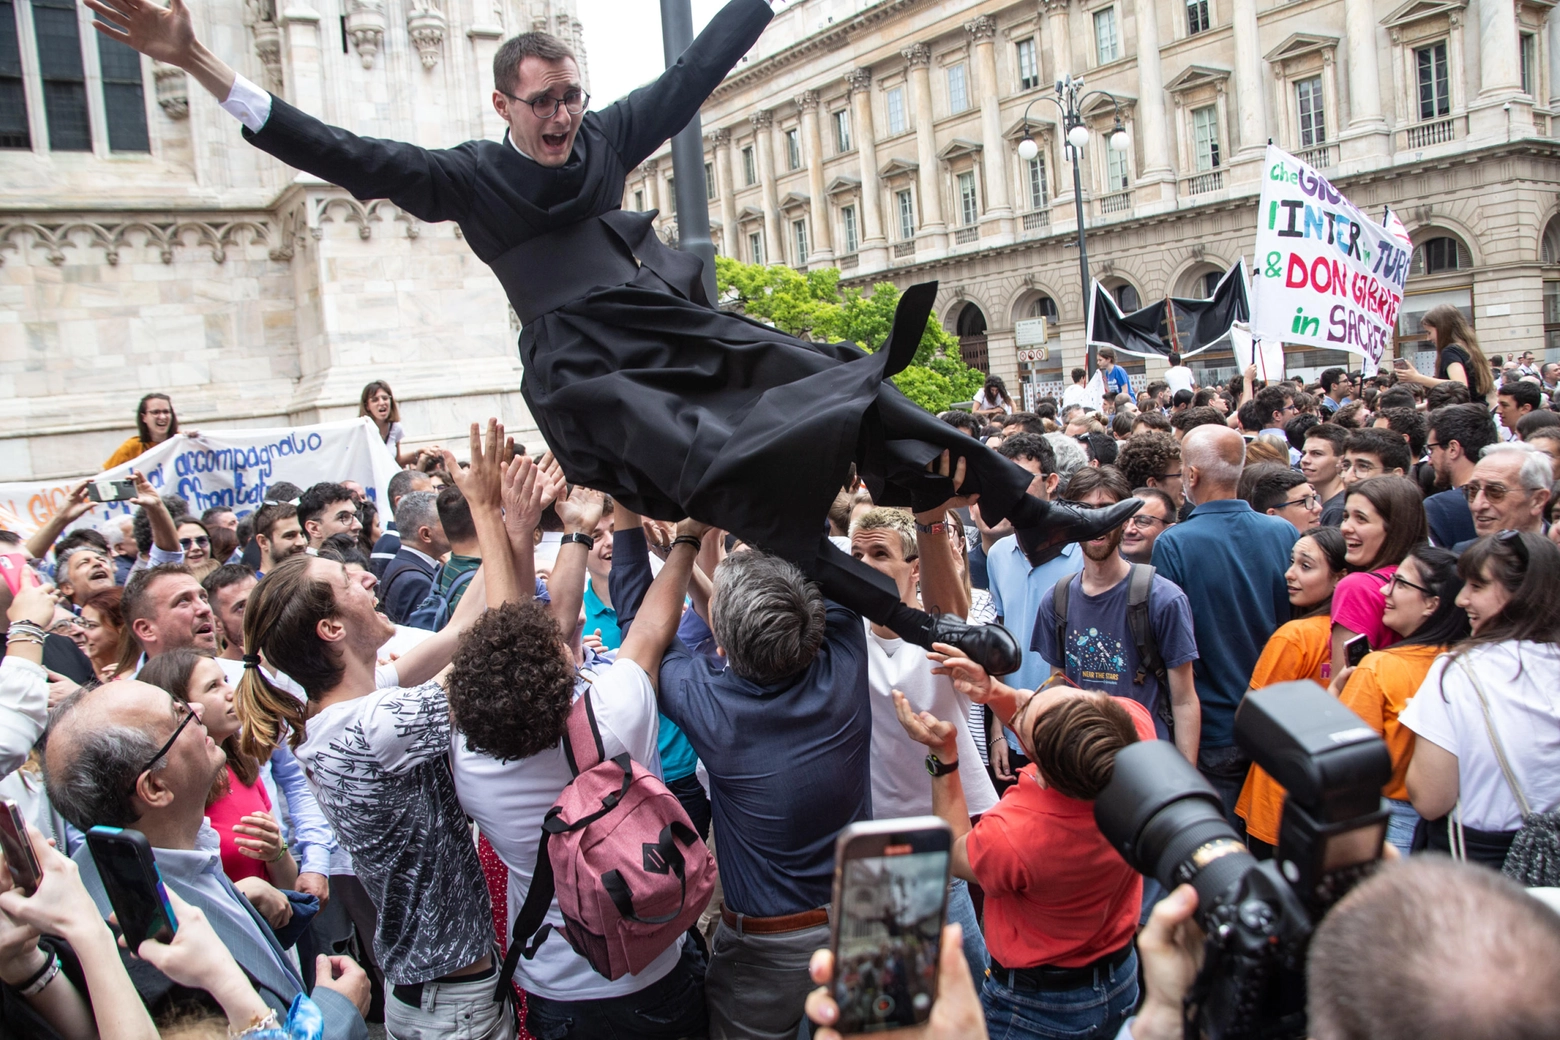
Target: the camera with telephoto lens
pixel 1169 823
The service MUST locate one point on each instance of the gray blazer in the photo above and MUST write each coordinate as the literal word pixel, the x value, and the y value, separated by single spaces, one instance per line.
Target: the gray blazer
pixel 267 966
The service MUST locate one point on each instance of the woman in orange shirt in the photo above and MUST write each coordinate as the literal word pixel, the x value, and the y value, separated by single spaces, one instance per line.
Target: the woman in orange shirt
pixel 1421 607
pixel 154 423
pixel 1301 649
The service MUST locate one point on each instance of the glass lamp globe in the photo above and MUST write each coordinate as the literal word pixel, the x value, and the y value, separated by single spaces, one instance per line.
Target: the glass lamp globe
pixel 1027 149
pixel 1119 141
pixel 1078 136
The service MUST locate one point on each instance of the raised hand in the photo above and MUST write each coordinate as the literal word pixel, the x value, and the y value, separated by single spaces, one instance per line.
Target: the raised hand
pixel 926 728
pixel 968 677
pixel 582 510
pixel 483 481
pixel 523 490
pixel 34 603
pixel 164 33
pixel 693 527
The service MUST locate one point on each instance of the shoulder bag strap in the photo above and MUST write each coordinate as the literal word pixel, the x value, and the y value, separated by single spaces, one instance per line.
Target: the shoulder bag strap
pixel 1059 599
pixel 1500 750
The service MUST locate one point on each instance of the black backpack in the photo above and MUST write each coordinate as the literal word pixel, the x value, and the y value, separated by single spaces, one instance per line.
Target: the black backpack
pixel 1139 583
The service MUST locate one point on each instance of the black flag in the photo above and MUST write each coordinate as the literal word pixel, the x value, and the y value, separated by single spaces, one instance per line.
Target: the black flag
pixel 1185 326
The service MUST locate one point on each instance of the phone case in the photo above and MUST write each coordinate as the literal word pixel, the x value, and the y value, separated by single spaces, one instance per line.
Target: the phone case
pixel 144 914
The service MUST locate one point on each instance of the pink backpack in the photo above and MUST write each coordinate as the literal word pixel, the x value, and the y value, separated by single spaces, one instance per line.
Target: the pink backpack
pixel 619 851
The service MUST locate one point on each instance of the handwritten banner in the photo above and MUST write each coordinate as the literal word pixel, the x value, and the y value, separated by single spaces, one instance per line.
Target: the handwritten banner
pixel 227 468
pixel 1330 276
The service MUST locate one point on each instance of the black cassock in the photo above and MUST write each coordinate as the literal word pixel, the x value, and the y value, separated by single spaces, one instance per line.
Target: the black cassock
pixel 640 388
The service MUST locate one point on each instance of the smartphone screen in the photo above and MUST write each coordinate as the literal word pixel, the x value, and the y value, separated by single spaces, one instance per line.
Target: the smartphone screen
pixel 18 851
pixel 135 890
pixel 1355 650
pixel 891 889
pixel 1400 362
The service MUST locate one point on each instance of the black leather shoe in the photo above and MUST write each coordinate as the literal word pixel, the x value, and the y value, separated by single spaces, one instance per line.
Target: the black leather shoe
pixel 1070 522
pixel 990 646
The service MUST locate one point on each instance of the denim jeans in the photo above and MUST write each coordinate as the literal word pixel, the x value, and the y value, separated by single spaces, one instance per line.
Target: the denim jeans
pixel 1401 825
pixel 1226 768
pixel 451 1011
pixel 961 911
pixel 1093 1012
pixel 668 1008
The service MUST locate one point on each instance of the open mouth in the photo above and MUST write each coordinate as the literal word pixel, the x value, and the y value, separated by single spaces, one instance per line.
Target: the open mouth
pixel 555 142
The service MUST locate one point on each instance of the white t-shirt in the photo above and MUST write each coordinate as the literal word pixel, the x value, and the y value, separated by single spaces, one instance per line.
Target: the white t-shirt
pixel 900 784
pixel 1519 681
pixel 1076 393
pixel 982 401
pixel 1179 378
pixel 509 799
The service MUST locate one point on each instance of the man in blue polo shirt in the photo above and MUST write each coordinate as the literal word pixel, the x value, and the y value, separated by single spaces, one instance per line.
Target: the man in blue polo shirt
pixel 1230 561
pixel 1017 586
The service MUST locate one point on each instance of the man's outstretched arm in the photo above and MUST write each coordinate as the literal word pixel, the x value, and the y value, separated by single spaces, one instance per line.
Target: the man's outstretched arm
pixel 430 184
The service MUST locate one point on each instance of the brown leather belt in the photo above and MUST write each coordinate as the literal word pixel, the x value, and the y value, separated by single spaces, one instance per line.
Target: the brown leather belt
pixel 774 925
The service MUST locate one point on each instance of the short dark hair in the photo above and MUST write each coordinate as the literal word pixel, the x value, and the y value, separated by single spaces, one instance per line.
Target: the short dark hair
pixel 224 576
pixel 1273 398
pixel 1028 422
pixel 455 514
pixel 1030 446
pixel 81 536
pixel 1194 417
pixel 1181 398
pixel 1076 740
pixel 211 514
pixel 506 63
pixel 1087 479
pixel 283 491
pixel 510 685
pixel 1267 485
pixel 312 503
pixel 1122 422
pixel 1409 423
pixel 1523 392
pixel 1175 359
pixel 1447 393
pixel 266 517
pixel 344 548
pixel 1100 447
pixel 1154 420
pixel 1295 430
pixel 1252 417
pixel 1386 445
pixel 1079 373
pixel 1469 425
pixel 1330 432
pixel 1147 454
pixel 1397 397
pixel 959 420
pixel 1330 378
pixel 1532 422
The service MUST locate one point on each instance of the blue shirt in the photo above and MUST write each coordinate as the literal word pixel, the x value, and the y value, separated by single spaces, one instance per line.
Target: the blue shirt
pixel 1118 380
pixel 1451 521
pixel 1016 591
pixel 1099 652
pixel 599 615
pixel 789 764
pixel 1230 561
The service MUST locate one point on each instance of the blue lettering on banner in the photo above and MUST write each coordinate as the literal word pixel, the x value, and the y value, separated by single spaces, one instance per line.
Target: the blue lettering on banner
pixel 251 468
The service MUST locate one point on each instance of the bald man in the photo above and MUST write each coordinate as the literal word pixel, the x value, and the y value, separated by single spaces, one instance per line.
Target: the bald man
pixel 1230 561
pixel 127 754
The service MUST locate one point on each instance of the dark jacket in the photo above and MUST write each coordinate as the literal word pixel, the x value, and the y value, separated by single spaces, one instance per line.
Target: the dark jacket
pixel 406 582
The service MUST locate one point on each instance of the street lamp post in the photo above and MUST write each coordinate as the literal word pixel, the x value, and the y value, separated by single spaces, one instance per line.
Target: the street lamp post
pixel 1069 100
pixel 693 207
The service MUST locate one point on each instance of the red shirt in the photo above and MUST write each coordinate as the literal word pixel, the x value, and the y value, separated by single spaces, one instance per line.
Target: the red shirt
pixel 1057 893
pixel 231 809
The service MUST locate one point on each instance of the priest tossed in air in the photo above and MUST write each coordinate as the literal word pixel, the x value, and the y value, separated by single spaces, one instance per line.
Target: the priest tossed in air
pixel 643 389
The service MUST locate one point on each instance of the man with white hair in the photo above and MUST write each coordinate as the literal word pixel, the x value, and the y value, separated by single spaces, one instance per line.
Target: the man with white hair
pixel 120 533
pixel 1230 561
pixel 1508 490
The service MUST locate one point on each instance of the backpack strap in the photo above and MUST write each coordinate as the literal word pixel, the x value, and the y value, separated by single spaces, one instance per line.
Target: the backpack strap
pixel 461 581
pixel 1139 584
pixel 528 922
pixel 582 744
pixel 668 856
pixel 1059 596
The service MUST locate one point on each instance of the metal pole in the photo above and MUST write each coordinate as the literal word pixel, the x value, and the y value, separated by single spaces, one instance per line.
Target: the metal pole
pixel 693 207
pixel 1083 255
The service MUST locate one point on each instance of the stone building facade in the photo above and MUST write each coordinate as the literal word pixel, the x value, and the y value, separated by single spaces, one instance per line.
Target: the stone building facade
pixel 882 137
pixel 145 246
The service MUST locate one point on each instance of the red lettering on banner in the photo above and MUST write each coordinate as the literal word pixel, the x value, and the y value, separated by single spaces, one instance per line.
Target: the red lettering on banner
pixel 1295 276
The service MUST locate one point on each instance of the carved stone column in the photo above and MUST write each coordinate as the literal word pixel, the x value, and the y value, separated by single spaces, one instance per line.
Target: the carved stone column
pixel 818 204
pixel 1156 181
pixel 933 227
pixel 764 139
pixel 1060 32
pixel 873 252
pixel 994 150
pixel 652 174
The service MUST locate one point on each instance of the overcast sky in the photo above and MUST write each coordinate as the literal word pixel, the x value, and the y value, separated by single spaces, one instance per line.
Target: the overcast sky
pixel 623 43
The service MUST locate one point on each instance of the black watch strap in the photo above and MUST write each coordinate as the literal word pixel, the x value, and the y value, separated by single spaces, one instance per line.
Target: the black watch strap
pixel 937 767
pixel 579 536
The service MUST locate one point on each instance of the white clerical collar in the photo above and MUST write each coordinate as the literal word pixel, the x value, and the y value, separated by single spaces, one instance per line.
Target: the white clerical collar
pixel 516 147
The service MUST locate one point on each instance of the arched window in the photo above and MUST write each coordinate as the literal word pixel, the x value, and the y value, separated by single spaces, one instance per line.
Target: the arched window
pixel 1126 297
pixel 1043 307
pixel 1440 255
pixel 1549 244
pixel 970 327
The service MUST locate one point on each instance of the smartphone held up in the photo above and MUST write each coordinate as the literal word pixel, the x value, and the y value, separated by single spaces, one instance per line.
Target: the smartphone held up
pixel 134 886
pixel 890 899
pixel 20 860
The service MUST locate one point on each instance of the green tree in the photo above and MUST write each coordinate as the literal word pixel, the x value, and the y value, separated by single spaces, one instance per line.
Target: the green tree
pixel 813 306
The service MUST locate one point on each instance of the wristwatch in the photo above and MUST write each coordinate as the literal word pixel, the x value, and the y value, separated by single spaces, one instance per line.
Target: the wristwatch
pixel 940 527
pixel 937 767
pixel 588 541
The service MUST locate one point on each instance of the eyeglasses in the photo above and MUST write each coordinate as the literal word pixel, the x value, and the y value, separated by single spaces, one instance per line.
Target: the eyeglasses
pixel 1167 476
pixel 346 516
pixel 1145 521
pixel 546 106
pixel 189 713
pixel 189 543
pixel 1496 493
pixel 1433 445
pixel 1514 541
pixel 1308 501
pixel 1397 581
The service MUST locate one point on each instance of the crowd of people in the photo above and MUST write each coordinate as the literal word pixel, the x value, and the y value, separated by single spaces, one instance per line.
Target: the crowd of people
pixel 343 721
